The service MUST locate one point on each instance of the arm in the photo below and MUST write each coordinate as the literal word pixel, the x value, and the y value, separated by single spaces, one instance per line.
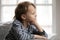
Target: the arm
pixel 35 31
pixel 38 29
pixel 40 37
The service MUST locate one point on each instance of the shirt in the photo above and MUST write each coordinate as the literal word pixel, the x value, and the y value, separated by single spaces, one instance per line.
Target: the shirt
pixel 18 32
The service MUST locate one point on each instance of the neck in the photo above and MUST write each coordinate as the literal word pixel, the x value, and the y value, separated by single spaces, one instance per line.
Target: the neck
pixel 25 24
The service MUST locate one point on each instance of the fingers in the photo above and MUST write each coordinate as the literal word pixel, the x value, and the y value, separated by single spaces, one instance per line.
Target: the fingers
pixel 45 38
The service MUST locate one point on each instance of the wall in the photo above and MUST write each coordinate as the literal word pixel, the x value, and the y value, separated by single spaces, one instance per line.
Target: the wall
pixel 58 19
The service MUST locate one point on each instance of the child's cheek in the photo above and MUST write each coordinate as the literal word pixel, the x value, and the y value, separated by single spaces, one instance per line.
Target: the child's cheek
pixel 31 18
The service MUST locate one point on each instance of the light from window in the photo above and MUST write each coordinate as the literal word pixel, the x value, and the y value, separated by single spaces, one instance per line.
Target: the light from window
pixel 26 0
pixel 5 2
pixel 44 17
pixel 43 1
pixel 7 13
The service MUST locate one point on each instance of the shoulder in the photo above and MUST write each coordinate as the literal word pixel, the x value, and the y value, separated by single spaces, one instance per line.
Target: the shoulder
pixel 16 25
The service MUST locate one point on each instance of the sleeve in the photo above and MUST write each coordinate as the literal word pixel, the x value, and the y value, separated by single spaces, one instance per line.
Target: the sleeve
pixel 35 31
pixel 20 34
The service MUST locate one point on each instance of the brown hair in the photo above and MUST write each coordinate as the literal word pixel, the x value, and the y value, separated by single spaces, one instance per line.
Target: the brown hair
pixel 22 8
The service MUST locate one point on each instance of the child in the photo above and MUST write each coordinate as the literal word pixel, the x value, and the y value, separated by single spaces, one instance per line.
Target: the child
pixel 25 26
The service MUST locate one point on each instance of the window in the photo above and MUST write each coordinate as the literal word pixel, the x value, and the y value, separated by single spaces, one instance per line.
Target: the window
pixel 44 12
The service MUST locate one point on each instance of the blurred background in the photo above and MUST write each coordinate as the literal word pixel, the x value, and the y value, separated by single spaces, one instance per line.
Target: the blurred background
pixel 47 16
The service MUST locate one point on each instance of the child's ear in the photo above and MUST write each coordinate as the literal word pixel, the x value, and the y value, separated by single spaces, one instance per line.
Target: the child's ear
pixel 23 16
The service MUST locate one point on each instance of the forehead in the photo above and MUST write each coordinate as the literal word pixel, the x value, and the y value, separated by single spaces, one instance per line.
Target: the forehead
pixel 31 8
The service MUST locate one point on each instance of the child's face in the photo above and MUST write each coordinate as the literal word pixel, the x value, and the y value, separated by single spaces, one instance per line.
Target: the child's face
pixel 31 14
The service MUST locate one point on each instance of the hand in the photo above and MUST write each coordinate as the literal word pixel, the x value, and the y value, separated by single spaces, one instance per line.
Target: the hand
pixel 34 22
pixel 40 37
pixel 45 38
